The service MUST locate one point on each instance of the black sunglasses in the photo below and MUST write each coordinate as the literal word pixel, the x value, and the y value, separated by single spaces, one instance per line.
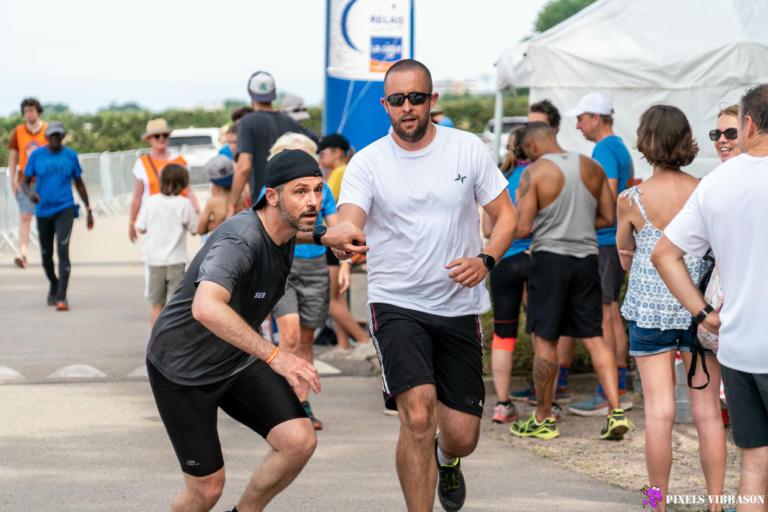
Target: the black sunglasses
pixel 414 98
pixel 161 135
pixel 730 134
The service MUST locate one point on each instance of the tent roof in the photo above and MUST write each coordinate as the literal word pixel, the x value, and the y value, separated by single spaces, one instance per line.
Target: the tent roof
pixel 645 44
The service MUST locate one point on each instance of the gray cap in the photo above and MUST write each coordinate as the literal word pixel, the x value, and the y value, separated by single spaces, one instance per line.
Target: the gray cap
pixel 220 170
pixel 294 107
pixel 261 87
pixel 54 127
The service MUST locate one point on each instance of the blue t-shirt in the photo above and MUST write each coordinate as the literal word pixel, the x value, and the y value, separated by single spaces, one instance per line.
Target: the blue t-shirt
pixel 613 155
pixel 54 173
pixel 327 207
pixel 226 152
pixel 445 121
pixel 513 182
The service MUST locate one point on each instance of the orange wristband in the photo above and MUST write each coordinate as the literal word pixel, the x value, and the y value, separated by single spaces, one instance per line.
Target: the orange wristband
pixel 272 356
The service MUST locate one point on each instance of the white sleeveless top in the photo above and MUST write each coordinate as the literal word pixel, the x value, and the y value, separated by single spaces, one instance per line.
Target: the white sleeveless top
pixel 648 300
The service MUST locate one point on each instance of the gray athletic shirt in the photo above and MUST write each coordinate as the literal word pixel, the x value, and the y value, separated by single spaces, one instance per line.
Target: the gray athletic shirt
pixel 241 257
pixel 567 226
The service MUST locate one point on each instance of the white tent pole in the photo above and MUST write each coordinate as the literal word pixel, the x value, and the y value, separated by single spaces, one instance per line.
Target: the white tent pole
pixel 497 122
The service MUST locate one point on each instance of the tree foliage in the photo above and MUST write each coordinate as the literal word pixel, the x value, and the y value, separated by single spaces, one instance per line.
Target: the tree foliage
pixel 557 11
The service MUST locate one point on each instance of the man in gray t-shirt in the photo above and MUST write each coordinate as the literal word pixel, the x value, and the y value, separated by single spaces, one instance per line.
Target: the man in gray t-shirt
pixel 205 351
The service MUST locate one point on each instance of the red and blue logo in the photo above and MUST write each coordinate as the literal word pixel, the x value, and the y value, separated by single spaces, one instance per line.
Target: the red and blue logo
pixel 385 51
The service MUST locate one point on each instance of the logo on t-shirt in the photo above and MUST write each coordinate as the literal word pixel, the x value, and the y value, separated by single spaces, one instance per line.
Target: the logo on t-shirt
pixel 260 295
pixel 459 177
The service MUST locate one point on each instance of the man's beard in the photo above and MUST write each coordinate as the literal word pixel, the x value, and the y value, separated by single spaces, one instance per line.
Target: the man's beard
pixel 418 133
pixel 295 220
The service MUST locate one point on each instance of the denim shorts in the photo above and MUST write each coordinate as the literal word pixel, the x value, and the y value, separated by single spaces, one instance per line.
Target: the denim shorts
pixel 25 203
pixel 648 342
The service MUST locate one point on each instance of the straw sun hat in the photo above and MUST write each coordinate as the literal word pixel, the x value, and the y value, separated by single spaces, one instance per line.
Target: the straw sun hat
pixel 155 126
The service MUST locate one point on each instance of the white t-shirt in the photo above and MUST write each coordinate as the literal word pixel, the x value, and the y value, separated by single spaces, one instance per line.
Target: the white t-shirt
pixel 422 214
pixel 728 212
pixel 166 220
pixel 140 172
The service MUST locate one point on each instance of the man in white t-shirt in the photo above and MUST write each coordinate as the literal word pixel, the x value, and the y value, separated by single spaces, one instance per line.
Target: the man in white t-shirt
pixel 415 192
pixel 727 212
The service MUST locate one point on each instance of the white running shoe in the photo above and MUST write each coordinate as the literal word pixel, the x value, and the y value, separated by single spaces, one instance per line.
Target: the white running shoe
pixel 363 351
pixel 336 353
pixel 505 413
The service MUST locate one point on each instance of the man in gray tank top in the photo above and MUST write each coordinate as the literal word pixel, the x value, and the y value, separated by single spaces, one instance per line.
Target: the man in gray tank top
pixel 564 198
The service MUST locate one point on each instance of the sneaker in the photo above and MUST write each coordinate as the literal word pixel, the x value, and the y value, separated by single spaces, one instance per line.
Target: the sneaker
pixel 521 395
pixel 62 305
pixel 20 261
pixel 504 413
pixel 563 396
pixel 451 488
pixel 616 426
pixel 390 412
pixel 51 299
pixel 595 405
pixel 363 351
pixel 557 412
pixel 336 353
pixel 532 428
pixel 315 422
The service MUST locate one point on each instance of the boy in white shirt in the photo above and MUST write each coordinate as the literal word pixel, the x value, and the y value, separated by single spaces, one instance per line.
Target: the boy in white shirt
pixel 164 221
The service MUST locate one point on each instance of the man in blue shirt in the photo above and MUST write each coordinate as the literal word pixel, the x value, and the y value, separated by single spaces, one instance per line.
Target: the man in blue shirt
pixel 54 167
pixel 305 305
pixel 594 115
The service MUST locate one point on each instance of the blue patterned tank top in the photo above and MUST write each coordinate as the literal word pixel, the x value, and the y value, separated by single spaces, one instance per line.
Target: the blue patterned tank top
pixel 648 300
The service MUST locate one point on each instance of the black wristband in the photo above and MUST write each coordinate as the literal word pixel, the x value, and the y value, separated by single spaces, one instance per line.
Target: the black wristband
pixel 703 314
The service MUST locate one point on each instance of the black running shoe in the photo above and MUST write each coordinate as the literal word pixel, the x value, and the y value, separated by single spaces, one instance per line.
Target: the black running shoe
pixel 52 293
pixel 451 488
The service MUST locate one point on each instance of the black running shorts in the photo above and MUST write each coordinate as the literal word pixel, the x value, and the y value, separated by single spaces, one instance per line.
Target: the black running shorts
pixel 564 297
pixel 611 273
pixel 257 397
pixel 747 397
pixel 416 348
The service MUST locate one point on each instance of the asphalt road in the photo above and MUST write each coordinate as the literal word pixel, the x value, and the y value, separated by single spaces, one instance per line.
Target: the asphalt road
pixel 92 442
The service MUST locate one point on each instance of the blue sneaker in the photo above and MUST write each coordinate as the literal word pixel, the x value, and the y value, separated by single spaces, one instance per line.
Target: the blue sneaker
pixel 595 405
pixel 524 395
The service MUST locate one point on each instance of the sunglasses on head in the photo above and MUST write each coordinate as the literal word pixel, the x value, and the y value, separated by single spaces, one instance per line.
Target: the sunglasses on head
pixel 730 134
pixel 414 98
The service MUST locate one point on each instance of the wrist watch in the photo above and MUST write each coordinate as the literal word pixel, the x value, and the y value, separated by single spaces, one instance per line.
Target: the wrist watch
pixel 318 233
pixel 703 314
pixel 489 261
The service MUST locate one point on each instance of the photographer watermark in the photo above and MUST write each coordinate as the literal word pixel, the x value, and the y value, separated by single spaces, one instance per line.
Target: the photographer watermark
pixel 653 497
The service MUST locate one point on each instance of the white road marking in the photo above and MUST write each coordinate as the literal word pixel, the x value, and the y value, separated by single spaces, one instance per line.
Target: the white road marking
pixel 140 372
pixel 9 374
pixel 77 371
pixel 324 368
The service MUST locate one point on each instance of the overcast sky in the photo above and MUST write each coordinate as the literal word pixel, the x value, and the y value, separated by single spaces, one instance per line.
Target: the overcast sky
pixel 171 53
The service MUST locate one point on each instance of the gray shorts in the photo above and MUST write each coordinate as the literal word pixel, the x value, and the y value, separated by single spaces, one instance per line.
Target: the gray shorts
pixel 747 397
pixel 163 282
pixel 308 292
pixel 25 203
pixel 611 273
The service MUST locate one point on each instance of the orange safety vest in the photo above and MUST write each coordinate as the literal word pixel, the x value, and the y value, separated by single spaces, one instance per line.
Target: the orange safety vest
pixel 154 170
pixel 27 143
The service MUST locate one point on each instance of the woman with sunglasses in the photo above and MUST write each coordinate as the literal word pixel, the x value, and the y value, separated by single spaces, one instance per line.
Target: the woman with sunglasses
pixel 148 170
pixel 725 135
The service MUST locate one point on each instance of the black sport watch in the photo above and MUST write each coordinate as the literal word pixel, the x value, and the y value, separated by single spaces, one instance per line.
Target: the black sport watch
pixel 318 233
pixel 703 314
pixel 489 261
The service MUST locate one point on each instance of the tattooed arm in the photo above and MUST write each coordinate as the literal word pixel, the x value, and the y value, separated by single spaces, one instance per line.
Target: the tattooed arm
pixel 527 204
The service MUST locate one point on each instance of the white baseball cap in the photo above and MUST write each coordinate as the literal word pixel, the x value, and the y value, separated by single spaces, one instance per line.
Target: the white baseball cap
pixel 261 87
pixel 592 103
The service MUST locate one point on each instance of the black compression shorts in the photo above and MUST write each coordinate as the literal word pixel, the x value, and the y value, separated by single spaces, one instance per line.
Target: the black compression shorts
pixel 416 348
pixel 257 397
pixel 507 286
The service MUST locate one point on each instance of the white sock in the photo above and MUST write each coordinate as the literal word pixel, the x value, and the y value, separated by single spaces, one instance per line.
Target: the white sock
pixel 442 459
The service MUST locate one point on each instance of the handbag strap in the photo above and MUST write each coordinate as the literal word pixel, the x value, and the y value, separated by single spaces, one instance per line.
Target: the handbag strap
pixel 696 350
pixel 154 169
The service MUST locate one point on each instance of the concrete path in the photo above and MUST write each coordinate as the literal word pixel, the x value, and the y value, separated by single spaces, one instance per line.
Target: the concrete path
pixel 72 439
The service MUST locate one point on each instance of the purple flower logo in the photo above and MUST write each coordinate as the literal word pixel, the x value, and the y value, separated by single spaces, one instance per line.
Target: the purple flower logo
pixel 653 494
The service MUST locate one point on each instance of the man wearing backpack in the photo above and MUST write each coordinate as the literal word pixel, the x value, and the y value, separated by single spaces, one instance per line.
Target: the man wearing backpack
pixel 725 213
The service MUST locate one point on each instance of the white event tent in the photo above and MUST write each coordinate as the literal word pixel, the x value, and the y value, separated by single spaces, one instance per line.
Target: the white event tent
pixel 699 55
